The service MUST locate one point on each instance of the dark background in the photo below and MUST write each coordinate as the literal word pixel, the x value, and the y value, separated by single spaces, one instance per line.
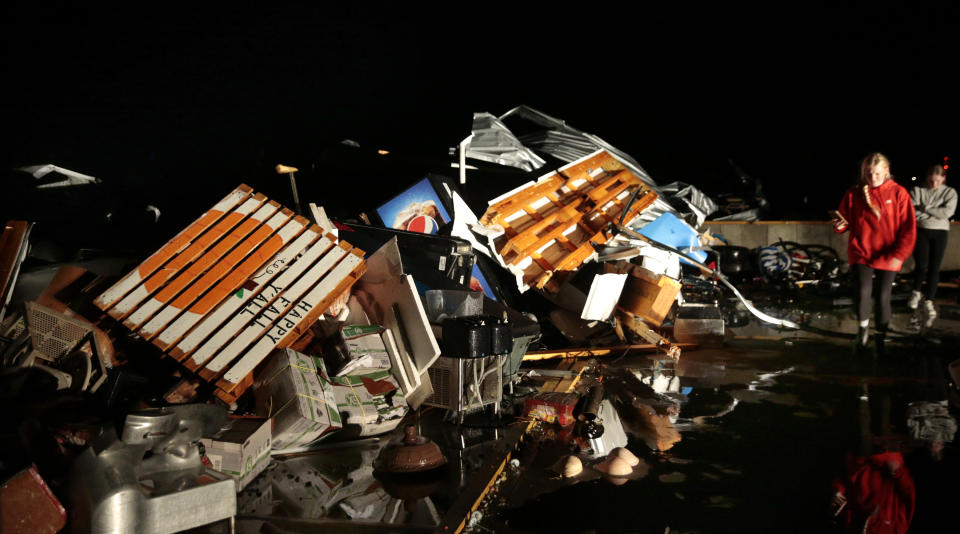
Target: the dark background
pixel 179 104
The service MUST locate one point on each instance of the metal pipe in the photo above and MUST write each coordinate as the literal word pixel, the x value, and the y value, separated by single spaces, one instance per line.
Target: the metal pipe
pixel 285 169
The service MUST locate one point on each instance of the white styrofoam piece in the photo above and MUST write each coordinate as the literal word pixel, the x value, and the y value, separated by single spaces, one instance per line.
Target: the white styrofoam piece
pixel 603 297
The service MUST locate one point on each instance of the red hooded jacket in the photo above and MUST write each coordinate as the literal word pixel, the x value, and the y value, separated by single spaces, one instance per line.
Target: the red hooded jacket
pixel 878 501
pixel 875 241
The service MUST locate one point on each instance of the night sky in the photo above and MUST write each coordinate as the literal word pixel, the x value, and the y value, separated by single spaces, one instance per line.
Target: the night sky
pixel 202 98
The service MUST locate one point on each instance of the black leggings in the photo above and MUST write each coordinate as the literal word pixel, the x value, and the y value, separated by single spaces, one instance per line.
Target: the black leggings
pixel 885 281
pixel 927 257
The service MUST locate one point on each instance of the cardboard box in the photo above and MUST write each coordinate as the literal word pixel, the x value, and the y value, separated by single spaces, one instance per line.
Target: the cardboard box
pixel 241 450
pixel 294 391
pixel 366 351
pixel 372 401
pixel 649 296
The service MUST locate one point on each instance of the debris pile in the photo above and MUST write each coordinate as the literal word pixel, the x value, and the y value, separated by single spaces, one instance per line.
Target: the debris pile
pixel 259 346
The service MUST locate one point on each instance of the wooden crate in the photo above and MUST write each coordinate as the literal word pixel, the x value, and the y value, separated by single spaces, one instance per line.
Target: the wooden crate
pixel 547 229
pixel 245 278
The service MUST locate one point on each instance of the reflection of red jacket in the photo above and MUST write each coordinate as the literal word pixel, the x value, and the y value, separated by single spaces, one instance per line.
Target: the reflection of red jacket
pixel 875 241
pixel 884 501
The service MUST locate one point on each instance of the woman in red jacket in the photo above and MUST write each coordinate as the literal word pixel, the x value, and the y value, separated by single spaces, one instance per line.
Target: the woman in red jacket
pixel 879 215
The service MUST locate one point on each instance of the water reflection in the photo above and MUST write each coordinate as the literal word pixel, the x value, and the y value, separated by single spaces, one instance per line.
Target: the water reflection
pixel 764 428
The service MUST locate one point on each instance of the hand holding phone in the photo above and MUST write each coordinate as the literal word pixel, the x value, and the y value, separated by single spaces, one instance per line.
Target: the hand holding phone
pixel 838 221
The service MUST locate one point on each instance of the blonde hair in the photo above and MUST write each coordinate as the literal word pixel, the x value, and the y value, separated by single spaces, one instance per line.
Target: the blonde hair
pixel 873 160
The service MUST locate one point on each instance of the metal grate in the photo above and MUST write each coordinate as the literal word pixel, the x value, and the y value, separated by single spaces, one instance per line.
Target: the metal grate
pixel 440 378
pixel 16 329
pixel 53 333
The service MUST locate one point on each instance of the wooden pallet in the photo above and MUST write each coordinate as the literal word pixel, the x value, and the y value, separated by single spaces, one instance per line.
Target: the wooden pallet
pixel 245 278
pixel 548 227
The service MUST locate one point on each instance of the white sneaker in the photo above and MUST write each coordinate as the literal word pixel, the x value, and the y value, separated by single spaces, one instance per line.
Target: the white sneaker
pixel 914 300
pixel 930 313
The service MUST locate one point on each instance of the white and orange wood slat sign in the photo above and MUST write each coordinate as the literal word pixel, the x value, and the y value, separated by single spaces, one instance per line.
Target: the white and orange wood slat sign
pixel 245 278
pixel 546 229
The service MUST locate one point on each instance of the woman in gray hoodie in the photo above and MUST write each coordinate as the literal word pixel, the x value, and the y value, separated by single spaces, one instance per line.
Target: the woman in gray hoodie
pixel 934 203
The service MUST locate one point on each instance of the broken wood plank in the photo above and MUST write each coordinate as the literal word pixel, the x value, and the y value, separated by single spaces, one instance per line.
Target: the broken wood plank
pixel 255 273
pixel 547 229
pixel 13 250
pixel 591 352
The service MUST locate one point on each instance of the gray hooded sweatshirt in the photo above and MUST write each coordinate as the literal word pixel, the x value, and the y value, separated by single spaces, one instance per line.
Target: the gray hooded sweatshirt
pixel 934 207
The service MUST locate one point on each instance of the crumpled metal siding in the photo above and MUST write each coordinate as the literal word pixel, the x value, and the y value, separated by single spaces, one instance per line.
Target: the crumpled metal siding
pixel 699 203
pixel 493 142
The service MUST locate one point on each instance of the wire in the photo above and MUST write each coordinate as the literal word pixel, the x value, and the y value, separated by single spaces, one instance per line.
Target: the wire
pixel 626 208
pixel 476 384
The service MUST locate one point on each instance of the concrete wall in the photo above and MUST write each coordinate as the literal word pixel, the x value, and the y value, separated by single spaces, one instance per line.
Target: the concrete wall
pixel 763 233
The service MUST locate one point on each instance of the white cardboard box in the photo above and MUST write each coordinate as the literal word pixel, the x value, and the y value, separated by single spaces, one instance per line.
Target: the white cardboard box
pixel 241 450
pixel 373 401
pixel 292 389
pixel 365 348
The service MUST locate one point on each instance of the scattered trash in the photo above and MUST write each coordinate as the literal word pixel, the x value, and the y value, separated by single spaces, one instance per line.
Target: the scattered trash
pixel 293 392
pixel 552 407
pixel 280 362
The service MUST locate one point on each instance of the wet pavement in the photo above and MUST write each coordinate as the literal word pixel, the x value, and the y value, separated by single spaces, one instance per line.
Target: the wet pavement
pixel 764 423
pixel 764 431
